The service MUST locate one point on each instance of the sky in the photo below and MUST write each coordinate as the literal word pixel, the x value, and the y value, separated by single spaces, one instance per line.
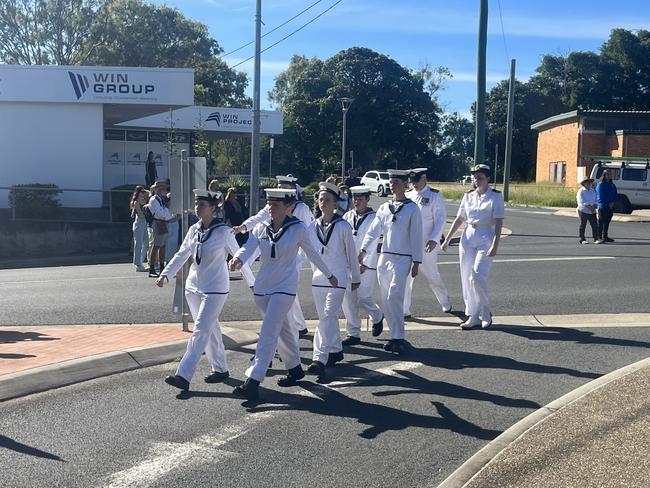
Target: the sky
pixel 416 33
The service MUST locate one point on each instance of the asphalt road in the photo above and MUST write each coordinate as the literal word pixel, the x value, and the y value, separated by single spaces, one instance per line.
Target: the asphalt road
pixel 380 421
pixel 540 269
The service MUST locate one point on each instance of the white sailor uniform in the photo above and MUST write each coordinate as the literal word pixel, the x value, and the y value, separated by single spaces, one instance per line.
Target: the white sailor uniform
pixel 302 212
pixel 432 208
pixel 206 290
pixel 401 225
pixel 362 296
pixel 275 289
pixel 480 212
pixel 336 246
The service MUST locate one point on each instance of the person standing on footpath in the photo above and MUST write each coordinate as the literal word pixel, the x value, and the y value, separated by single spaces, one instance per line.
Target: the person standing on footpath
pixel 161 215
pixel 300 210
pixel 607 194
pixel 276 285
pixel 360 219
pixel 401 224
pixel 139 199
pixel 332 236
pixel 483 210
pixel 208 242
pixel 434 216
pixel 150 170
pixel 587 204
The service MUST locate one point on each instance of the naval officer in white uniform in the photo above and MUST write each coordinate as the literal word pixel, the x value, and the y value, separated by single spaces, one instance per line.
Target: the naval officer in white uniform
pixel 434 216
pixel 360 218
pixel 209 242
pixel 276 284
pixel 332 238
pixel 304 213
pixel 401 253
pixel 483 210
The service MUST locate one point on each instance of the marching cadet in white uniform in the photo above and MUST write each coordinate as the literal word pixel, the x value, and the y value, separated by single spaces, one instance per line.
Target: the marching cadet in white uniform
pixel 332 237
pixel 401 252
pixel 360 219
pixel 304 213
pixel 209 242
pixel 432 208
pixel 483 209
pixel 276 283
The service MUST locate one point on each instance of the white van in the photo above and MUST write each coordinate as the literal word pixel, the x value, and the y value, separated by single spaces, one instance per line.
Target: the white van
pixel 632 180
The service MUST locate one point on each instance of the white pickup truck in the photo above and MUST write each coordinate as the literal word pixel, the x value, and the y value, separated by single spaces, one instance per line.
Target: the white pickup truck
pixel 632 180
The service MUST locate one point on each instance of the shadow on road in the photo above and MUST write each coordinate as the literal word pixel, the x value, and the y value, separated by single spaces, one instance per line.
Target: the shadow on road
pixel 568 335
pixel 13 445
pixel 10 355
pixel 13 336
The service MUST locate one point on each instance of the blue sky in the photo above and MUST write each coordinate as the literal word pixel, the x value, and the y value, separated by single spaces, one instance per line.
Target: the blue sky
pixel 418 32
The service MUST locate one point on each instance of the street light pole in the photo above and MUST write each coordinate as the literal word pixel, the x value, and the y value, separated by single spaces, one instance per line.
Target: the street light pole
pixel 271 141
pixel 255 135
pixel 345 105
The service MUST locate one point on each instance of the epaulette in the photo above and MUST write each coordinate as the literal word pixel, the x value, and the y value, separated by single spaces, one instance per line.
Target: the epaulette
pixel 435 191
pixel 496 191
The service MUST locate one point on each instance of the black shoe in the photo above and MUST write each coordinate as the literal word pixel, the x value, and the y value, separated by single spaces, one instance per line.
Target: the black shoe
pixel 216 377
pixel 249 390
pixel 317 368
pixel 398 346
pixel 152 273
pixel 293 376
pixel 583 241
pixel 351 341
pixel 378 328
pixel 302 333
pixel 607 239
pixel 334 357
pixel 178 381
pixel 407 316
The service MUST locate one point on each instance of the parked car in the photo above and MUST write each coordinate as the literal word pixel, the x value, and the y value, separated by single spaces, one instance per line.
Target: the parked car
pixel 632 180
pixel 466 180
pixel 377 181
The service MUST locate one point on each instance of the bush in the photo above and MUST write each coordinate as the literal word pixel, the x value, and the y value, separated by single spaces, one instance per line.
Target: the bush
pixel 120 201
pixel 35 200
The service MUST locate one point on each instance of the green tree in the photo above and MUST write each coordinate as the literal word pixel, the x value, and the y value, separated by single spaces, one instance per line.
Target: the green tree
pixel 454 147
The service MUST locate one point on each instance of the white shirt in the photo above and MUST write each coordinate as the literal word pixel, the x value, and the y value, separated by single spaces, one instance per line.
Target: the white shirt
pixel 279 274
pixel 159 211
pixel 336 246
pixel 401 224
pixel 586 197
pixel 301 211
pixel 482 210
pixel 209 271
pixel 360 225
pixel 434 215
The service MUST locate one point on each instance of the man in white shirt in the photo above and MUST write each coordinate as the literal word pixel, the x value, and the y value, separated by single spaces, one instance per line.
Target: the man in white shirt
pixel 401 224
pixel 587 205
pixel 162 216
pixel 432 208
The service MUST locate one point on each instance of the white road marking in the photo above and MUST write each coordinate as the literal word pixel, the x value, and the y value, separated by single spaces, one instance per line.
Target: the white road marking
pixel 387 371
pixel 531 260
pixel 165 457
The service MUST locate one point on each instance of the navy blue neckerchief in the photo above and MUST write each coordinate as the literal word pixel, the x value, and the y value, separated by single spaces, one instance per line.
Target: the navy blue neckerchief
pixel 203 235
pixel 323 235
pixel 275 236
pixel 397 210
pixel 358 219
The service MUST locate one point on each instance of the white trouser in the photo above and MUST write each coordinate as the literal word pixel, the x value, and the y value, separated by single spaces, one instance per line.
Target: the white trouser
pixel 429 270
pixel 172 241
pixel 392 273
pixel 361 298
pixel 295 317
pixel 206 336
pixel 327 338
pixel 475 268
pixel 276 333
pixel 140 241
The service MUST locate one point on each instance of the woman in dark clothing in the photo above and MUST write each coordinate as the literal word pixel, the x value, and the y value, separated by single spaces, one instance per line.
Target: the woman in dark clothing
pixel 234 213
pixel 151 173
pixel 607 194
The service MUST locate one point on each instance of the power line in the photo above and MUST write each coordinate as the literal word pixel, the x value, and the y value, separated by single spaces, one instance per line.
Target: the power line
pixel 503 35
pixel 291 34
pixel 273 30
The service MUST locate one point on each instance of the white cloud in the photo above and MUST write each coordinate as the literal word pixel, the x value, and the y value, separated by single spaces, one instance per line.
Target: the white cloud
pixel 267 67
pixel 470 77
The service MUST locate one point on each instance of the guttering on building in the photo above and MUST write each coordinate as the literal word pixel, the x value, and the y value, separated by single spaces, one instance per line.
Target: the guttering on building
pixel 91 128
pixel 569 143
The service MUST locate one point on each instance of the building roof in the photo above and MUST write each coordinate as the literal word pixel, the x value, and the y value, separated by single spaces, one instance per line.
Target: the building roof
pixel 577 113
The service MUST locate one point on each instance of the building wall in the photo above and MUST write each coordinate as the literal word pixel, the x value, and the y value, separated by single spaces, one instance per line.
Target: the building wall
pixel 554 144
pixel 637 145
pixel 614 146
pixel 58 143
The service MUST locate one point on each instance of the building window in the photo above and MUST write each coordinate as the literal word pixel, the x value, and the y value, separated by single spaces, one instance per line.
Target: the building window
pixel 594 125
pixel 557 172
pixel 633 174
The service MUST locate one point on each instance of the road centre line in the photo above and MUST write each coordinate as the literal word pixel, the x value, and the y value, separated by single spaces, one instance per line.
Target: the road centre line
pixel 530 260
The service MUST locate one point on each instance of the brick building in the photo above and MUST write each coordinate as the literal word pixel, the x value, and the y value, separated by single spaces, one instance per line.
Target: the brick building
pixel 568 144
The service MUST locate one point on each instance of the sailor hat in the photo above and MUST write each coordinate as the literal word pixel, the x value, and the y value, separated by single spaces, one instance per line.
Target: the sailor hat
pixel 208 196
pixel 280 194
pixel 288 179
pixel 160 184
pixel 416 173
pixel 329 187
pixel 480 168
pixel 586 179
pixel 402 174
pixel 360 190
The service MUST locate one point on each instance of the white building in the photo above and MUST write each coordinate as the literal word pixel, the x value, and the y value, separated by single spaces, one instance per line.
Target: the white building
pixel 91 128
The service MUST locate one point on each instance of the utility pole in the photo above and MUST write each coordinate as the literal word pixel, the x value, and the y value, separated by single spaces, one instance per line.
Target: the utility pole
pixel 255 136
pixel 271 142
pixel 496 162
pixel 479 134
pixel 345 105
pixel 511 113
